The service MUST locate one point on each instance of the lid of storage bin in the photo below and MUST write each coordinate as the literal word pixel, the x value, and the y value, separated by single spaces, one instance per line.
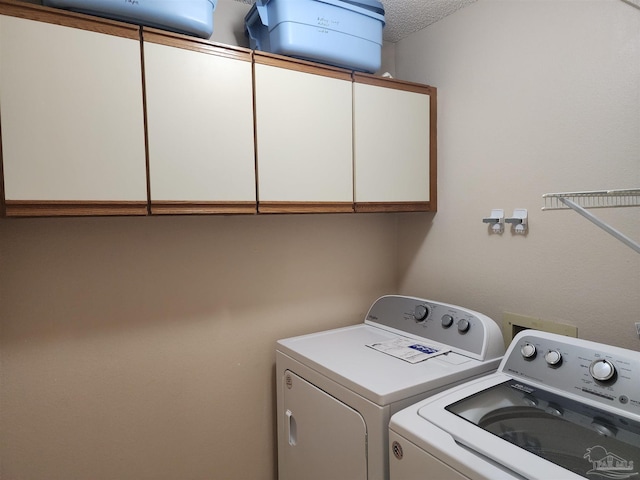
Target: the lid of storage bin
pixel 373 5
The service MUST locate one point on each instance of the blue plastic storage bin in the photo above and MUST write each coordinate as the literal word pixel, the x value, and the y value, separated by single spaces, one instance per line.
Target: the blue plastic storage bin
pixel 344 33
pixel 192 17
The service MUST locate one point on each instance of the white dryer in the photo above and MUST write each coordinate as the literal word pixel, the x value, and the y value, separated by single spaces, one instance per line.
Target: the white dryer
pixel 337 389
pixel 557 408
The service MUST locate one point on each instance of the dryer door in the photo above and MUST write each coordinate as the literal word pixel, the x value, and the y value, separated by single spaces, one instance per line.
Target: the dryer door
pixel 323 437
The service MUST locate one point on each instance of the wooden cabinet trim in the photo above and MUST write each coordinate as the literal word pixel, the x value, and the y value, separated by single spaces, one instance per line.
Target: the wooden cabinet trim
pixel 393 83
pixel 203 208
pixel 66 18
pixel 305 207
pixel 416 204
pixel 381 207
pixel 290 63
pixel 38 208
pixel 433 150
pixel 3 207
pixel 186 42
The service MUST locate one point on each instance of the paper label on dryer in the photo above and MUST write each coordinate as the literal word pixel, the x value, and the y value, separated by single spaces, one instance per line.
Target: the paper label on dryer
pixel 408 350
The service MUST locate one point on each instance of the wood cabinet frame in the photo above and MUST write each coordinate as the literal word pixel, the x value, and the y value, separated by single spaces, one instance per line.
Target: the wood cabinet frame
pixel 163 207
pixel 428 206
pixel 35 208
pixel 279 61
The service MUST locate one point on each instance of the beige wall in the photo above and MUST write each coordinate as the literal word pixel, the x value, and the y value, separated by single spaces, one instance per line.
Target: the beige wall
pixel 143 348
pixel 228 23
pixel 533 97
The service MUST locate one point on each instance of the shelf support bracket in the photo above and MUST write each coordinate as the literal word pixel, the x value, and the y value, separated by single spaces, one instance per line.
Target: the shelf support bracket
pixel 596 221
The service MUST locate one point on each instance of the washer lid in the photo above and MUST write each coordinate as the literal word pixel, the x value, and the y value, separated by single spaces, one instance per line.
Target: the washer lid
pixel 344 356
pixel 579 437
pixel 526 431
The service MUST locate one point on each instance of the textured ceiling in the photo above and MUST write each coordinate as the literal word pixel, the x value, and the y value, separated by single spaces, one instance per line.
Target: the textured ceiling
pixel 407 16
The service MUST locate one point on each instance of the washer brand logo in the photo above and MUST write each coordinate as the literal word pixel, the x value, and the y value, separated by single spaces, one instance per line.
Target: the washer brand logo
pixel 608 464
pixel 523 388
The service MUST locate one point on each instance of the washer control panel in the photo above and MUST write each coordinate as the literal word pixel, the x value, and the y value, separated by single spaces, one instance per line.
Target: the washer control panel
pixel 463 330
pixel 591 370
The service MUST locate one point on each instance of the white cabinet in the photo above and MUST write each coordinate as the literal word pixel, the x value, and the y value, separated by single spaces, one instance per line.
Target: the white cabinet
pixel 200 126
pixel 71 115
pixel 304 137
pixel 394 145
pixel 95 122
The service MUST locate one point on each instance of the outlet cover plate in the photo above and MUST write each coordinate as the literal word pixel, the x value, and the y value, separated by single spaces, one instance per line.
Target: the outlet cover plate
pixel 512 324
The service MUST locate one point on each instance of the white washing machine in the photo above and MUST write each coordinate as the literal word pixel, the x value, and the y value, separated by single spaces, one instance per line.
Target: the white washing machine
pixel 557 408
pixel 337 389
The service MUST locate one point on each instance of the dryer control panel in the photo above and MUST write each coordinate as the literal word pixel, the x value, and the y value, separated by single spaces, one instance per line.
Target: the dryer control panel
pixel 590 370
pixel 464 331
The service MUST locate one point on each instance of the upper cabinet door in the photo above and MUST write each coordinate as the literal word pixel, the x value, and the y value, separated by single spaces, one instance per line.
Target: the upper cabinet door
pixel 394 145
pixel 200 126
pixel 304 137
pixel 71 116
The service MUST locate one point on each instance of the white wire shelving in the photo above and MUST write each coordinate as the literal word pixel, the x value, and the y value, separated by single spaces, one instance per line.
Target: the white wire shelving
pixel 581 201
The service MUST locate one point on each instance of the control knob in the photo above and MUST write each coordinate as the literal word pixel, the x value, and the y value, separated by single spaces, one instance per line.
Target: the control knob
pixel 553 358
pixel 463 325
pixel 420 313
pixel 447 320
pixel 602 370
pixel 528 350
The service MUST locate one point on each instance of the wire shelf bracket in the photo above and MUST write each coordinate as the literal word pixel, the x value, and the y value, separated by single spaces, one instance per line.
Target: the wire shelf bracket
pixel 581 201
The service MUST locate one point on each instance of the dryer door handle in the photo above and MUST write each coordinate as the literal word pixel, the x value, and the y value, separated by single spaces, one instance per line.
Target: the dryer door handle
pixel 292 428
